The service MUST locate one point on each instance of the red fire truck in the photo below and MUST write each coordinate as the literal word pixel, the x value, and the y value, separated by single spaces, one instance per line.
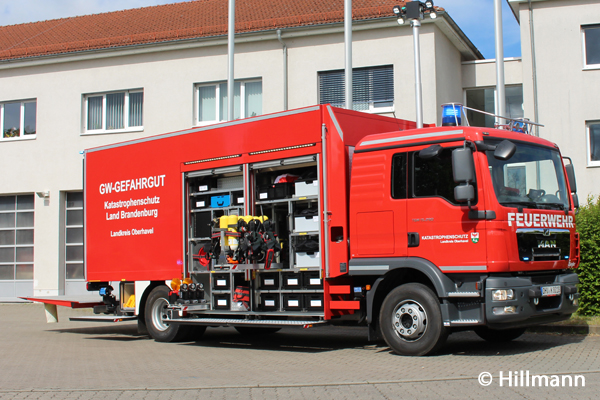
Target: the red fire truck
pixel 328 216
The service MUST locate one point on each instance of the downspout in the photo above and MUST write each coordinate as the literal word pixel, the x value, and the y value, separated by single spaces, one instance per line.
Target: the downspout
pixel 285 70
pixel 533 69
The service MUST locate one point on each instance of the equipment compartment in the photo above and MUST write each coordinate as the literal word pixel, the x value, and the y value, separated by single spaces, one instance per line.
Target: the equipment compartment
pixel 291 280
pixel 293 302
pixel 312 280
pixel 313 302
pixel 269 301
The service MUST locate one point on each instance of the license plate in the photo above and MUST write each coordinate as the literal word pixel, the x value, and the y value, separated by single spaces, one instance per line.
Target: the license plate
pixel 551 291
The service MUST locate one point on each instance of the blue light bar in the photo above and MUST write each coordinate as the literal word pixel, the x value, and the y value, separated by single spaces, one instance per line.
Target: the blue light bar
pixel 451 114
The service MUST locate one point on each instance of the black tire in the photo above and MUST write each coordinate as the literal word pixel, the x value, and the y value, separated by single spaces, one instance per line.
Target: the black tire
pixel 256 330
pixel 157 329
pixel 497 335
pixel 411 320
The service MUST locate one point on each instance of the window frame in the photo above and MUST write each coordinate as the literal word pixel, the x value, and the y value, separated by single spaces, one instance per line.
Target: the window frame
pixel 68 208
pixel 103 130
pixel 371 103
pixel 16 245
pixel 495 97
pixel 22 135
pixel 590 162
pixel 217 85
pixel 587 66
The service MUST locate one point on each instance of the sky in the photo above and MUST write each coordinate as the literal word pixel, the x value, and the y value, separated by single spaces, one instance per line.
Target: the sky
pixel 474 17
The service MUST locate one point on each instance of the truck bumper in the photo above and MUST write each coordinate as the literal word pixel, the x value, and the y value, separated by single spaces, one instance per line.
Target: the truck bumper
pixel 535 300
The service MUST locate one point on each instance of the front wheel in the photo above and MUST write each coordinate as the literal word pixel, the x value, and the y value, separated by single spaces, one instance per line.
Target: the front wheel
pixel 411 320
pixel 499 336
pixel 158 329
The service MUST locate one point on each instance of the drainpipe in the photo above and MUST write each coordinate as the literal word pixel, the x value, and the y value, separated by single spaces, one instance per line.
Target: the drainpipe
pixel 533 69
pixel 285 70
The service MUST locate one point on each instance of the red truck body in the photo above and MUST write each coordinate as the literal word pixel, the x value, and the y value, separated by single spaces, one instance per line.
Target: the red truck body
pixel 390 234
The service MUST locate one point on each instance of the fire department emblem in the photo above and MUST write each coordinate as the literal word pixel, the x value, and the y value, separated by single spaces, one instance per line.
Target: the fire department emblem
pixel 474 237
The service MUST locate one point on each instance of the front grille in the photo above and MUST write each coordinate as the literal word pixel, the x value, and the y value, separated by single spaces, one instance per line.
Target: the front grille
pixel 544 244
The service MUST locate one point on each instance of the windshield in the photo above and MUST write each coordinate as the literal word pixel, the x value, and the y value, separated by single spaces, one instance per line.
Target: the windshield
pixel 532 178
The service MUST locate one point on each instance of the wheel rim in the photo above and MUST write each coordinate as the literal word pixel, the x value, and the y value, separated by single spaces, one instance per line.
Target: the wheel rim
pixel 409 320
pixel 158 314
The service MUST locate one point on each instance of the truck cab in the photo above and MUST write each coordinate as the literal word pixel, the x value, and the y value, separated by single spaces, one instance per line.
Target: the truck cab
pixel 499 257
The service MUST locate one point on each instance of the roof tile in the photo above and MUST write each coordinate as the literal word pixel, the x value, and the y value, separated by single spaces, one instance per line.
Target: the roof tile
pixel 186 20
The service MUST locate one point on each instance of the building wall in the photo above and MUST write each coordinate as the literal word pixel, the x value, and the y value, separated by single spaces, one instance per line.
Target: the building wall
pixel 567 94
pixel 167 74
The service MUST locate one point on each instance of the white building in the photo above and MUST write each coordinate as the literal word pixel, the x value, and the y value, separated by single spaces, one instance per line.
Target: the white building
pixel 76 83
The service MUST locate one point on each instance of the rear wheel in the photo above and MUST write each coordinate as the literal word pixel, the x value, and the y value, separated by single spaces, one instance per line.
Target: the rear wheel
pixel 256 330
pixel 158 329
pixel 497 335
pixel 411 320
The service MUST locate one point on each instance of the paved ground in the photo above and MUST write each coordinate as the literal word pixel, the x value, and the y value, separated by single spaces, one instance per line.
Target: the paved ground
pixel 78 360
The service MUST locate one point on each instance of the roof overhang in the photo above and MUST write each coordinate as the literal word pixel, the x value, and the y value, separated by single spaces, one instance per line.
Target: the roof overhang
pixel 515 4
pixel 444 22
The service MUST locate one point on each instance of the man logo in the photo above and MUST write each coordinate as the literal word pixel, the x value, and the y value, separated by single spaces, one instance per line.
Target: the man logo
pixel 547 232
pixel 474 237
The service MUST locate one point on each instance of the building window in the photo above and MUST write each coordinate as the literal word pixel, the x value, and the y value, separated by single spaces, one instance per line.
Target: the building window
pixel 74 236
pixel 484 99
pixel 593 139
pixel 372 88
pixel 16 237
pixel 591 45
pixel 114 112
pixel 212 101
pixel 18 119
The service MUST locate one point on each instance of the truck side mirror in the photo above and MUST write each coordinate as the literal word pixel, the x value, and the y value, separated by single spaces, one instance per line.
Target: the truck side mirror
pixel 462 165
pixel 463 193
pixel 571 177
pixel 463 172
pixel 575 200
pixel 505 150
pixel 431 151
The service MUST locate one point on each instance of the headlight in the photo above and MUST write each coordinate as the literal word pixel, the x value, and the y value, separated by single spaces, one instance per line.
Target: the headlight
pixel 503 294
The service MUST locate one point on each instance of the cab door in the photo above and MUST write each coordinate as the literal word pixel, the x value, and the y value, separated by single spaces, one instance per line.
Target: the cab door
pixel 439 228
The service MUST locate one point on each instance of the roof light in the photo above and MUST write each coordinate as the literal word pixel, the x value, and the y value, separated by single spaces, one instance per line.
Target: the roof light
pixel 451 114
pixel 433 15
pixel 429 4
pixel 396 10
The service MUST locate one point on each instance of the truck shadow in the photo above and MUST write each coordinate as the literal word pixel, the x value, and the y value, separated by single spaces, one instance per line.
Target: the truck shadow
pixel 336 338
pixel 469 344
pixel 332 338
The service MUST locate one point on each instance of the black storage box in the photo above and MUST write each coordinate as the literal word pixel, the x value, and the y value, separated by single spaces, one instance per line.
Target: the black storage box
pixel 291 280
pixel 313 302
pixel 312 280
pixel 238 198
pixel 293 302
pixel 220 281
pixel 269 301
pixel 199 202
pixel 202 224
pixel 269 280
pixel 275 191
pixel 222 301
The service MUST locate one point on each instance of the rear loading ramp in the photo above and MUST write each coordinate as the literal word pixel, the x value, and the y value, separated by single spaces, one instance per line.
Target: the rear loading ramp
pixel 50 304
